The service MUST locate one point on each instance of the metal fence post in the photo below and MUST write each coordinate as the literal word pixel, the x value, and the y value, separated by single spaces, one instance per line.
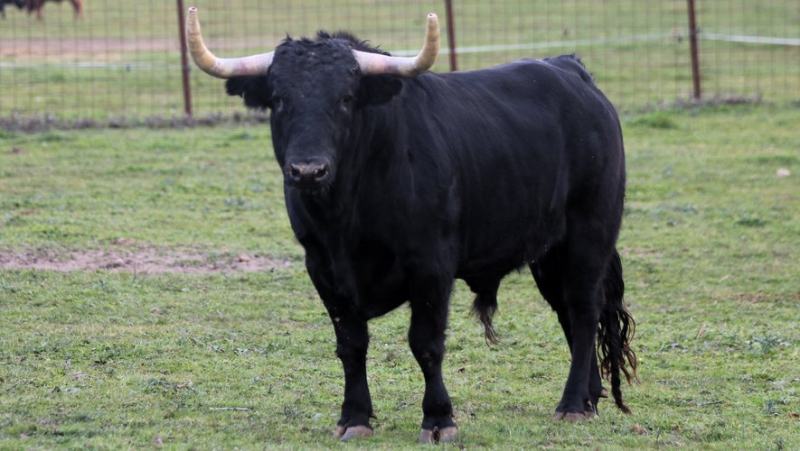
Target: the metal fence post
pixel 693 49
pixel 187 90
pixel 451 34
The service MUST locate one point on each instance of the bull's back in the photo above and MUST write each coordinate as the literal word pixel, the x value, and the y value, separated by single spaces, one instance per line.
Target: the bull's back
pixel 523 139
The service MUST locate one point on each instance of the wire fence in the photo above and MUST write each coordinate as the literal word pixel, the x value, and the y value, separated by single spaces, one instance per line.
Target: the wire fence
pixel 121 60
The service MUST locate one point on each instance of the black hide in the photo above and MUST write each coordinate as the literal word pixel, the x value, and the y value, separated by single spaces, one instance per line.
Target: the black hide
pixel 465 175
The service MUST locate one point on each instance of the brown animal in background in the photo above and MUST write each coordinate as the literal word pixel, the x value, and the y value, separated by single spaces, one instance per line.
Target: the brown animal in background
pixel 18 3
pixel 37 5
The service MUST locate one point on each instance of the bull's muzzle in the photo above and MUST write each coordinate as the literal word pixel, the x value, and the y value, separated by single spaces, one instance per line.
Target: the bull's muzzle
pixel 309 175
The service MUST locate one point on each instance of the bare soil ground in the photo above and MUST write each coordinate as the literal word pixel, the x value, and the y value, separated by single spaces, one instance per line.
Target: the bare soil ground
pixel 139 259
pixel 68 49
pixel 99 50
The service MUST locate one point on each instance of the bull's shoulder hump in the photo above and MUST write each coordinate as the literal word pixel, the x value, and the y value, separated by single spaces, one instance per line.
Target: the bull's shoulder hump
pixel 572 64
pixel 569 64
pixel 558 65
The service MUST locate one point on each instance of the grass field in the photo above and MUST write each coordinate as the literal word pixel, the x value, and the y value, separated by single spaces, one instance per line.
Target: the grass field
pixel 121 60
pixel 116 357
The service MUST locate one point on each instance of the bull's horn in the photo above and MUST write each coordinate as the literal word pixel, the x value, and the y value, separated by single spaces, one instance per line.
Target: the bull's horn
pixel 221 67
pixel 373 63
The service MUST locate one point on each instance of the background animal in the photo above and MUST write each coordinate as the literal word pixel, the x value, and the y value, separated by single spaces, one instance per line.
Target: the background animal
pixel 18 3
pixel 38 5
pixel 399 180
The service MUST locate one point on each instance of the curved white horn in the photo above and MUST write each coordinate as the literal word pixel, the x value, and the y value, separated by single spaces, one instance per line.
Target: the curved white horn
pixel 373 63
pixel 221 67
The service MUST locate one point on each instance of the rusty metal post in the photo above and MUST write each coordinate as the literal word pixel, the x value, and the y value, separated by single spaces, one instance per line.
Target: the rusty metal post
pixel 451 34
pixel 187 90
pixel 693 49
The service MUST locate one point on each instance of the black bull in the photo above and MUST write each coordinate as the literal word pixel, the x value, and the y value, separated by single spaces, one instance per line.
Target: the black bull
pixel 397 186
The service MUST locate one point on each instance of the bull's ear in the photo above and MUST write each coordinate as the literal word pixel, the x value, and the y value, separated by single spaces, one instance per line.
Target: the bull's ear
pixel 378 89
pixel 254 90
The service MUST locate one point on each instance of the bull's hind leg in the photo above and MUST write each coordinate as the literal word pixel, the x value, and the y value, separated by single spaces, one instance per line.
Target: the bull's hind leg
pixel 585 253
pixel 426 336
pixel 549 276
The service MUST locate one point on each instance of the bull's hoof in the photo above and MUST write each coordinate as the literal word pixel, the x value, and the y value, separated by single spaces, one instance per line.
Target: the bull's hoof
pixel 352 432
pixel 444 435
pixel 425 437
pixel 338 432
pixel 447 435
pixel 574 417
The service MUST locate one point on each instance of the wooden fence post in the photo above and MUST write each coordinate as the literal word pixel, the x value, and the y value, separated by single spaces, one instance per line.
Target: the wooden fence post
pixel 187 90
pixel 451 34
pixel 693 50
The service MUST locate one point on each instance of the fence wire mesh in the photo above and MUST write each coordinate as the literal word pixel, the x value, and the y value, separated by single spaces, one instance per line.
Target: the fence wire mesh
pixel 122 59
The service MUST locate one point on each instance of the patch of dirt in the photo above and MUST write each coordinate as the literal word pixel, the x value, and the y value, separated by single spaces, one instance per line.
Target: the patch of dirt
pixel 755 298
pixel 138 259
pixel 35 124
pixel 106 50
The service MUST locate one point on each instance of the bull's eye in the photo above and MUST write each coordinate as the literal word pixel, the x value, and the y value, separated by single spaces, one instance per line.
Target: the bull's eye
pixel 347 102
pixel 276 103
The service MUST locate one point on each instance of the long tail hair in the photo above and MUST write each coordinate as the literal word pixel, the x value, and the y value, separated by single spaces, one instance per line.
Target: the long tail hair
pixel 615 334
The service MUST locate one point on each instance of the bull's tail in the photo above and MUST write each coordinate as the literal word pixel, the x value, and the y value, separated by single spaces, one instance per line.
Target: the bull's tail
pixel 615 334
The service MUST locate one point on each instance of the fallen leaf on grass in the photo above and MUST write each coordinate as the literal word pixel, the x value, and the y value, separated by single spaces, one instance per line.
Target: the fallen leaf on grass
pixel 116 263
pixel 700 331
pixel 637 428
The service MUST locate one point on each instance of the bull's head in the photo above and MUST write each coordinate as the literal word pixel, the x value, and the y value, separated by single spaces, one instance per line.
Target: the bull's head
pixel 313 89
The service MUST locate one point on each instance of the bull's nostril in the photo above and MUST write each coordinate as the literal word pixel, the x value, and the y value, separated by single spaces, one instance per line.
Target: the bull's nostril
pixel 294 171
pixel 320 172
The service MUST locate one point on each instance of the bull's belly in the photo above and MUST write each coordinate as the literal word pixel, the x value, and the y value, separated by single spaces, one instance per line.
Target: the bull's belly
pixel 490 265
pixel 497 253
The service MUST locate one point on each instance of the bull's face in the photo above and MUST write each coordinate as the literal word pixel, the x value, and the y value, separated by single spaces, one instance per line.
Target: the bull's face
pixel 313 89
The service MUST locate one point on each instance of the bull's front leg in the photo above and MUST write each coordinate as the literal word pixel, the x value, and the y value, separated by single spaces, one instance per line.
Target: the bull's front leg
pixel 352 341
pixel 426 338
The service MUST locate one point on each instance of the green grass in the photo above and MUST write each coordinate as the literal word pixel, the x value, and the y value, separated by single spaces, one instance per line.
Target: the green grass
pixel 109 360
pixel 136 46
